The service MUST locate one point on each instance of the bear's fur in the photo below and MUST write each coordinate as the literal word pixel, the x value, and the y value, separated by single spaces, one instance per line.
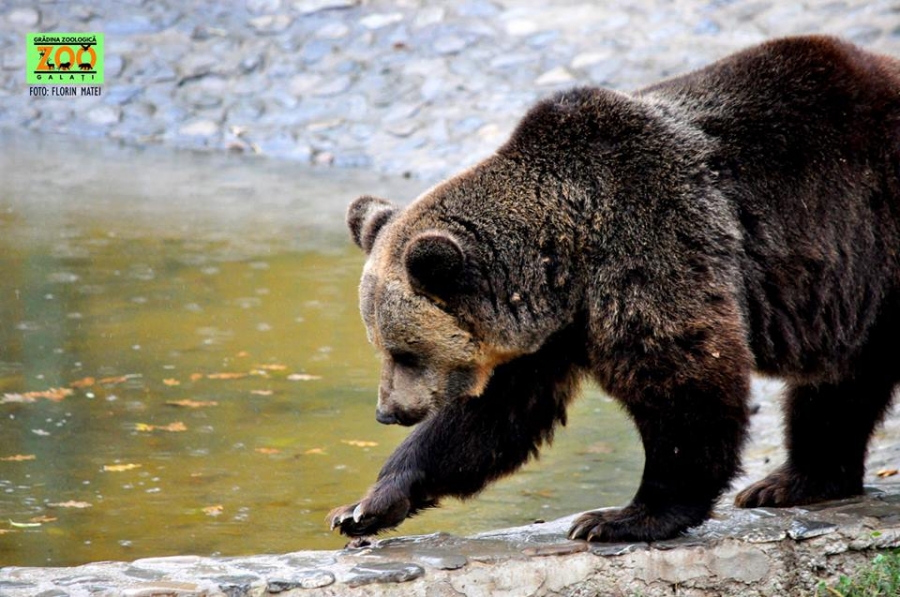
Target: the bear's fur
pixel 667 243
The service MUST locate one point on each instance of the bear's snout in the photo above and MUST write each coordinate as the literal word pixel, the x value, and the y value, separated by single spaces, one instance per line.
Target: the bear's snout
pixel 405 418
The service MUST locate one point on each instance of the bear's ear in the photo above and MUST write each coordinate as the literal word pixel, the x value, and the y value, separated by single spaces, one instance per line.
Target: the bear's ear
pixel 434 262
pixel 366 217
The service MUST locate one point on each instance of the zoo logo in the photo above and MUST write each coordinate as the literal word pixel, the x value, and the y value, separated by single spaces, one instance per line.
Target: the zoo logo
pixel 64 58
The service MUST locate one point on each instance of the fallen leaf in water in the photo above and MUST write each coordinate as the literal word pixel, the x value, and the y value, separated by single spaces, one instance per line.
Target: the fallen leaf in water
pixel 118 468
pixel 54 394
pixel 541 493
pixel 111 381
pixel 214 510
pixel 18 458
pixel 226 375
pixel 268 450
pixel 70 504
pixel 196 376
pixel 243 354
pixel 887 472
pixel 176 426
pixel 359 443
pixel 272 367
pixel 316 451
pixel 24 525
pixel 171 382
pixel 43 518
pixel 598 448
pixel 303 377
pixel 85 382
pixel 5 531
pixel 187 403
pixel 262 392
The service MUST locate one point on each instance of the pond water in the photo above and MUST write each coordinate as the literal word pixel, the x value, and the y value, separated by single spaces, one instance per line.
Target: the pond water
pixel 183 369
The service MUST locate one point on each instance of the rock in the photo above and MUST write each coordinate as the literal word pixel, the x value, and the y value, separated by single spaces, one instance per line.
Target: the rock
pixel 259 7
pixel 521 27
pixel 312 6
pixel 450 44
pixel 558 76
pixel 23 17
pixel 304 83
pixel 113 65
pixel 428 15
pixel 333 30
pixel 379 20
pixel 121 94
pixel 199 128
pixel 271 24
pixel 386 572
pixel 104 115
pixel 587 59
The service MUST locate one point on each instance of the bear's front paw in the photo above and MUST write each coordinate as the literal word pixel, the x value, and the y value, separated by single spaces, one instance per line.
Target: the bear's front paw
pixel 634 523
pixel 385 507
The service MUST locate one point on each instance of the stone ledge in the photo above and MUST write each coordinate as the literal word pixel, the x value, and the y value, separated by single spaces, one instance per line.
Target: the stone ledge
pixel 761 552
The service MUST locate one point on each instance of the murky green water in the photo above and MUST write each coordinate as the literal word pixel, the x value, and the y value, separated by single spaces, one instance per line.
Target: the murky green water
pixel 132 280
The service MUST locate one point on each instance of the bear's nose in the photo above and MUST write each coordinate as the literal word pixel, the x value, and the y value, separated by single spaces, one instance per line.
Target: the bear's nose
pixel 385 418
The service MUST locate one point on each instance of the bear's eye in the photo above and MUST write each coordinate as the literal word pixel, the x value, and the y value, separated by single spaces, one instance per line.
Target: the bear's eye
pixel 405 359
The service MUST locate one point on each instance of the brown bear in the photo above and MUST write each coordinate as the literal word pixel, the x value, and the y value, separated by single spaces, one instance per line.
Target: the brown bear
pixel 667 243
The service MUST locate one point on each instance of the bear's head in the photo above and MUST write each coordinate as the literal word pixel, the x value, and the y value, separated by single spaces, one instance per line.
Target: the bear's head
pixel 412 294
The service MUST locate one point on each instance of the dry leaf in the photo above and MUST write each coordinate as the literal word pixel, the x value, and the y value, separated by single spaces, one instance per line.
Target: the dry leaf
pixel 262 392
pixel 192 403
pixel 118 468
pixel 303 377
pixel 54 394
pixel 243 353
pixel 176 426
pixel 599 448
pixel 18 458
pixel 70 504
pixel 268 450
pixel 24 525
pixel 196 376
pixel 316 451
pixel 43 518
pixel 226 375
pixel 111 381
pixel 171 382
pixel 274 367
pixel 887 472
pixel 359 443
pixel 214 510
pixel 83 383
pixel 5 531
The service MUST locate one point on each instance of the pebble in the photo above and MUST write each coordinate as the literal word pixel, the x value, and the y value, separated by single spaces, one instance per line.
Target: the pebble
pixel 271 24
pixel 556 76
pixel 23 17
pixel 104 115
pixel 386 572
pixel 199 128
pixel 379 20
pixel 312 6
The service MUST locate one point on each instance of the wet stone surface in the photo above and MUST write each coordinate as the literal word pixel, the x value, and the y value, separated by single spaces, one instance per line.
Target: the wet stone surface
pixel 761 552
pixel 414 87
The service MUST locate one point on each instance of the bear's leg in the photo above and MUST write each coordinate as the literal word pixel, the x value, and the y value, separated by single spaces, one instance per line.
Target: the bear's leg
pixel 469 443
pixel 692 432
pixel 828 430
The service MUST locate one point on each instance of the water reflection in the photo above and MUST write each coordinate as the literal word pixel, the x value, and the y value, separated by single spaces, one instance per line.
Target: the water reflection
pixel 183 369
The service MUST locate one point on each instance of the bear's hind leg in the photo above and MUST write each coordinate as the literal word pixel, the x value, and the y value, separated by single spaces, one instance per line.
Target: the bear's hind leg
pixel 828 430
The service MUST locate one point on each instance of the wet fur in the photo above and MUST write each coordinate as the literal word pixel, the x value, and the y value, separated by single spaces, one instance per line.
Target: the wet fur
pixel 668 242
